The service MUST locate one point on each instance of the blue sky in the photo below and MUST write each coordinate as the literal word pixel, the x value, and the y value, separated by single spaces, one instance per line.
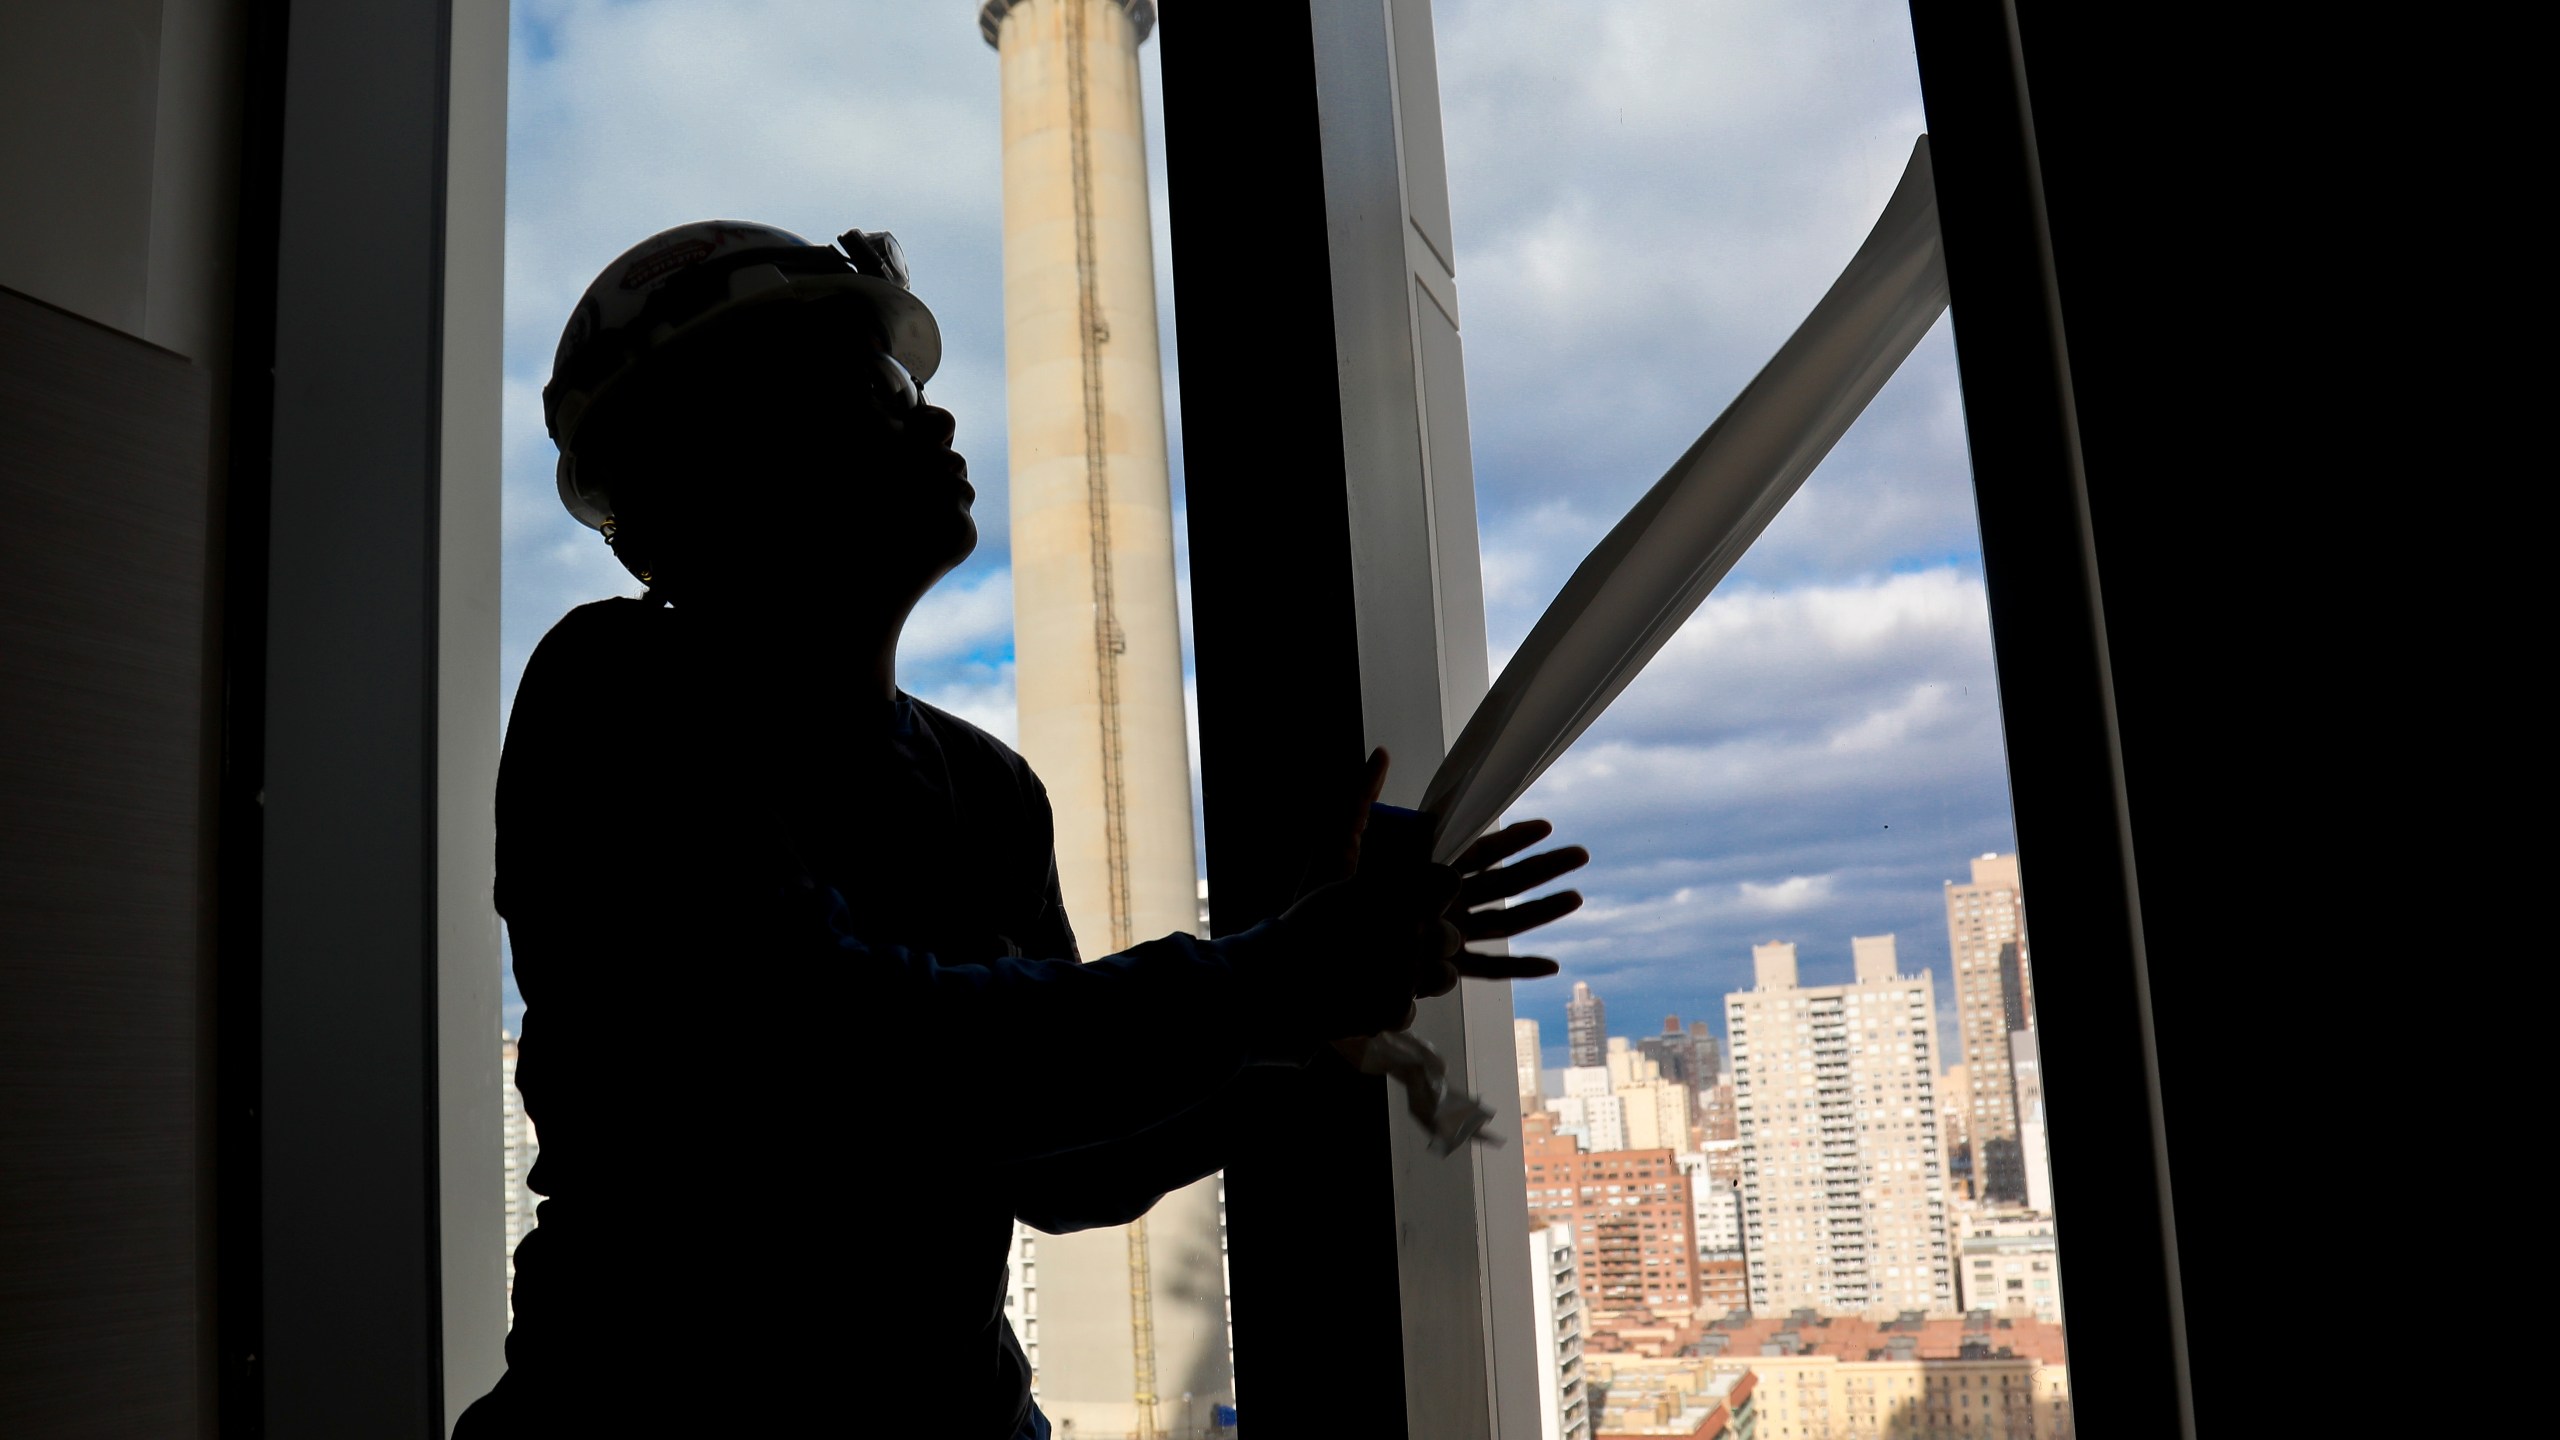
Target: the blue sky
pixel 1647 196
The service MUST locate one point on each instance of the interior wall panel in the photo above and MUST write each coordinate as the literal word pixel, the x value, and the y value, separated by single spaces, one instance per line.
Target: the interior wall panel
pixel 104 445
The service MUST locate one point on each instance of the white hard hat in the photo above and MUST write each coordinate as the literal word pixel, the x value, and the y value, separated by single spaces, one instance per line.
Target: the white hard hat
pixel 673 282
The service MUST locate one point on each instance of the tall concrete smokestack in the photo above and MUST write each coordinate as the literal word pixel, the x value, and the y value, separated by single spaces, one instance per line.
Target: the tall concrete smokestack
pixel 1137 1315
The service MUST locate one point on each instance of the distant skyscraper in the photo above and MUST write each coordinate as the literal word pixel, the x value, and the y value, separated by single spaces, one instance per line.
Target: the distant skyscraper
pixel 1995 994
pixel 521 1149
pixel 1689 1056
pixel 1586 1027
pixel 1843 1191
pixel 1524 1059
pixel 1709 1055
pixel 1669 1051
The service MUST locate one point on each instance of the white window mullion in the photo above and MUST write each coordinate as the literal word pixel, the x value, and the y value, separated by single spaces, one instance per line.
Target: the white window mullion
pixel 1462 1236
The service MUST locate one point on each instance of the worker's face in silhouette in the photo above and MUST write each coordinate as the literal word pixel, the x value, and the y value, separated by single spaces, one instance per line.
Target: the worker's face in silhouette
pixel 800 471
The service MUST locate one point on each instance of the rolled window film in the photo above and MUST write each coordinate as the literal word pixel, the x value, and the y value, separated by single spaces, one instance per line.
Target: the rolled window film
pixel 1660 562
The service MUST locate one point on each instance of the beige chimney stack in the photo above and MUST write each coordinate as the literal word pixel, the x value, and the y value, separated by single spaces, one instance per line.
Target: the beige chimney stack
pixel 1097 651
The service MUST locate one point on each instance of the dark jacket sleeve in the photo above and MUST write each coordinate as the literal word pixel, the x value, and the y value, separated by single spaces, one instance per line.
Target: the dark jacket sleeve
pixel 1117 1181
pixel 1038 1057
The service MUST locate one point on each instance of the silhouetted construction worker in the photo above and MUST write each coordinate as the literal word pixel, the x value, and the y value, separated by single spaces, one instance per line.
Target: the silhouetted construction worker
pixel 806 1028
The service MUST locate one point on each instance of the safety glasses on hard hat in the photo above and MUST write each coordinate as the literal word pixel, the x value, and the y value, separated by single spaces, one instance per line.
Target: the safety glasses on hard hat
pixel 891 385
pixel 875 253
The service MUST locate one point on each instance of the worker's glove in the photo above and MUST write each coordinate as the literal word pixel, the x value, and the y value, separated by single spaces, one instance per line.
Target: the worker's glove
pixel 1355 955
pixel 1389 912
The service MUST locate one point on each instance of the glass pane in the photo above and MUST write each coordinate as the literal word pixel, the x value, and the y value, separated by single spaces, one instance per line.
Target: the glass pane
pixel 1010 148
pixel 1786 1136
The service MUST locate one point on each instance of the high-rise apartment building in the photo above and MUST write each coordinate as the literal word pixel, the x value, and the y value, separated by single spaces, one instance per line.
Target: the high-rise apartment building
pixel 1718 1208
pixel 1843 1183
pixel 1715 1113
pixel 1716 1201
pixel 1524 1059
pixel 521 1147
pixel 1995 994
pixel 1555 1302
pixel 1586 1027
pixel 1631 1216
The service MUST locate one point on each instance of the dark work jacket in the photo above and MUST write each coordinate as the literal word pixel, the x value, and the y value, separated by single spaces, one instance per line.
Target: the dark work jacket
pixel 805 1031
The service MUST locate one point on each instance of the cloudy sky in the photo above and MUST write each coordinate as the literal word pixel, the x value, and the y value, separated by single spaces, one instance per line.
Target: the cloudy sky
pixel 1647 197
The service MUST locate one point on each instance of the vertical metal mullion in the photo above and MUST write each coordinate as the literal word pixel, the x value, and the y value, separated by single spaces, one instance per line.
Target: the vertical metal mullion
pixel 463 1001
pixel 239 1273
pixel 1463 1241
pixel 1310 1194
pixel 364 893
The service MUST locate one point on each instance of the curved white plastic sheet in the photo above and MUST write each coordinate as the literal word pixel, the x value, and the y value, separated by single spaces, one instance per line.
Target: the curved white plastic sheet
pixel 1637 586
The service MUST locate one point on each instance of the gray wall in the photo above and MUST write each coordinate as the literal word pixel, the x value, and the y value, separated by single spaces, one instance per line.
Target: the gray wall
pixel 118 180
pixel 119 167
pixel 104 887
pixel 354 627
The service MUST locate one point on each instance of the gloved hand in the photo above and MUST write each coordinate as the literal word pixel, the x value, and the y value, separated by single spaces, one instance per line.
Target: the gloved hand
pixel 1388 928
pixel 1360 950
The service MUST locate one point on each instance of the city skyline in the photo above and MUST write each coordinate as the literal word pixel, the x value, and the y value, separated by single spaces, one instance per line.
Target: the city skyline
pixel 1825 955
pixel 1808 1259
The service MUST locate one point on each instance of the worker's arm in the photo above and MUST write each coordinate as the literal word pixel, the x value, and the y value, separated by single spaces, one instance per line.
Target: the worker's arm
pixel 1119 1180
pixel 1025 1058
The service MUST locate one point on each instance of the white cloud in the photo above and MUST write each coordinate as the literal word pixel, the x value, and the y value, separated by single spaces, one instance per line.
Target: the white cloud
pixel 1801 765
pixel 1793 895
pixel 959 618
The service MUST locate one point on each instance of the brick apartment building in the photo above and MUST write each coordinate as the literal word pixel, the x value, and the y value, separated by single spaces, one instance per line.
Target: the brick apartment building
pixel 1631 1216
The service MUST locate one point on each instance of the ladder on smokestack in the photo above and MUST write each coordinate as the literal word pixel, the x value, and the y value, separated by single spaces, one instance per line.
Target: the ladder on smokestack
pixel 1108 645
